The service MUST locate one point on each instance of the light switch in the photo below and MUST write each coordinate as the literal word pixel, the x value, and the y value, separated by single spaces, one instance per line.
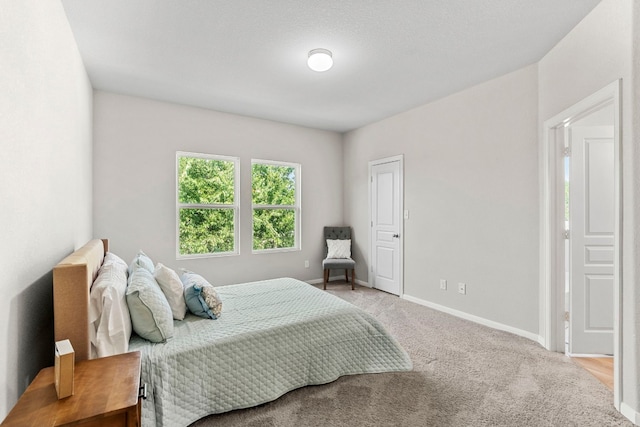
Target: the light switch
pixel 406 214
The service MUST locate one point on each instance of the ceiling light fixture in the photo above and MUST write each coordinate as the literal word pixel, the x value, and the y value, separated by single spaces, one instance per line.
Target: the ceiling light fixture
pixel 320 60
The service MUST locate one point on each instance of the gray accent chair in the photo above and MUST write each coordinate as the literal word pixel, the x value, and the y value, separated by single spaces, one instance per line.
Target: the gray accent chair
pixel 328 264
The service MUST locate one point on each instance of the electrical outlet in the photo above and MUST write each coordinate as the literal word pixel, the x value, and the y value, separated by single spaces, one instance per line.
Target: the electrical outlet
pixel 462 288
pixel 306 263
pixel 443 284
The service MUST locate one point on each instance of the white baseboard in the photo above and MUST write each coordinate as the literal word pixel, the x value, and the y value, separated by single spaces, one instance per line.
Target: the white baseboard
pixel 542 341
pixel 476 319
pixel 630 413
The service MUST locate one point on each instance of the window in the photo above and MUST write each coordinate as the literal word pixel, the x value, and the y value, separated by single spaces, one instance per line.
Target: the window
pixel 207 205
pixel 275 193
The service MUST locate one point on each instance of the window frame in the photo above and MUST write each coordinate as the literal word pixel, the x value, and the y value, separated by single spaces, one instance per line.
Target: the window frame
pixel 297 207
pixel 235 206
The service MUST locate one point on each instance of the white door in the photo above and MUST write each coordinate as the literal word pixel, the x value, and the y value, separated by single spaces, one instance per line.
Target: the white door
pixel 591 214
pixel 386 222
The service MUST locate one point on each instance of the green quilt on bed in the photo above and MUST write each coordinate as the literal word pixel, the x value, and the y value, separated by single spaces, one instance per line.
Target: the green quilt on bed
pixel 272 337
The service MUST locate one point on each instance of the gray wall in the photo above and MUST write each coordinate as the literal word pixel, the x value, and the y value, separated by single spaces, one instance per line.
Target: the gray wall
pixel 135 144
pixel 470 173
pixel 471 187
pixel 45 185
pixel 596 52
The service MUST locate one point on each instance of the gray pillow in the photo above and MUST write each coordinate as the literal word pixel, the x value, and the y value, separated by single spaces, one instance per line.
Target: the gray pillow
pixel 151 315
pixel 141 260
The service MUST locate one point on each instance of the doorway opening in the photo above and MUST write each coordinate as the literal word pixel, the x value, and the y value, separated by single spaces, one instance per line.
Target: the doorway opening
pixel 580 266
pixel 589 238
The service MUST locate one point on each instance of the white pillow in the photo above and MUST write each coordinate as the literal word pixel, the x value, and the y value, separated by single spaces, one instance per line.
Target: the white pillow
pixel 109 321
pixel 339 248
pixel 172 288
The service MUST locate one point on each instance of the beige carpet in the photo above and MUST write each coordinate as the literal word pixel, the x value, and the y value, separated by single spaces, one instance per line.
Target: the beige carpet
pixel 464 375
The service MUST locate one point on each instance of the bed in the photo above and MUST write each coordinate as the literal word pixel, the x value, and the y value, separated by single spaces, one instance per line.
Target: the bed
pixel 273 336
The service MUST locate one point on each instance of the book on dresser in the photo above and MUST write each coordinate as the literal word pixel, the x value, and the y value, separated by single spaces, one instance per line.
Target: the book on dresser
pixel 64 366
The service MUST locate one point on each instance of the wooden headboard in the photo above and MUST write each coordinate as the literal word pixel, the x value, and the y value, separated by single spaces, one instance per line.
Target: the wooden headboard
pixel 72 280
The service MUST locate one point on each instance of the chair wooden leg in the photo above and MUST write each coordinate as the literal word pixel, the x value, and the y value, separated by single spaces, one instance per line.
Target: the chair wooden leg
pixel 346 275
pixel 353 278
pixel 326 278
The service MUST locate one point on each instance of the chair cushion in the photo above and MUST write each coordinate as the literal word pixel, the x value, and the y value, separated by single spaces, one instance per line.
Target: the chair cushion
pixel 336 233
pixel 331 263
pixel 339 248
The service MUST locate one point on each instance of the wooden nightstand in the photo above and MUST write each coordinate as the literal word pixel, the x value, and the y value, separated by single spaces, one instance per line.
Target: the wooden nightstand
pixel 106 394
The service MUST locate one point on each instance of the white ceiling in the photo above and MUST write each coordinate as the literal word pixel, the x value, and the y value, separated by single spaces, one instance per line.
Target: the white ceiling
pixel 249 56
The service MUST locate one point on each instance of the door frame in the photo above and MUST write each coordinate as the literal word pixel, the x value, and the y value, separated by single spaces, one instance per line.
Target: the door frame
pixel 552 226
pixel 399 158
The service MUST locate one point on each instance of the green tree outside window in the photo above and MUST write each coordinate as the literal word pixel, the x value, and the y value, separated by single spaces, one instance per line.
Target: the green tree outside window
pixel 207 204
pixel 274 188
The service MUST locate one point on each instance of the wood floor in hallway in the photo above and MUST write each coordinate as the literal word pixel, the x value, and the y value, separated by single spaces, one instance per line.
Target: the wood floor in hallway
pixel 599 367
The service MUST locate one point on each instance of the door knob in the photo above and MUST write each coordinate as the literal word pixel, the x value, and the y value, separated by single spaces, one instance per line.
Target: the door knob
pixel 396 235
